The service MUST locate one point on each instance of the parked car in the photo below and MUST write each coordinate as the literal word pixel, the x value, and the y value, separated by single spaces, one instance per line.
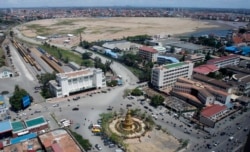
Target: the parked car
pixel 110 108
pixel 37 111
pixel 209 146
pixel 98 147
pixel 129 105
pixel 99 121
pixel 55 105
pixel 111 145
pixel 75 109
pixel 222 133
pixel 77 126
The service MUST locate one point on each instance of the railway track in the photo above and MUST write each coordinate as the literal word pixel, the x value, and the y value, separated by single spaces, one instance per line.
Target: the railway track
pixel 25 54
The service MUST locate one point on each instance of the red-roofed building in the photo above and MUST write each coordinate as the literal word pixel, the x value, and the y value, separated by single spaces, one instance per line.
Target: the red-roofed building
pixel 205 69
pixel 225 61
pixel 148 53
pixel 211 114
pixel 213 111
pixel 237 39
pixel 56 147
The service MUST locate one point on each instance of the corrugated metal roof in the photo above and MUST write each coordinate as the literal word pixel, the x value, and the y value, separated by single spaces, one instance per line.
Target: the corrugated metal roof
pixel 23 138
pixel 5 126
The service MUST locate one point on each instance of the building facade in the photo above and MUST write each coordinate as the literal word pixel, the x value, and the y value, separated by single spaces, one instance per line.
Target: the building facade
pixel 75 81
pixel 148 53
pixel 210 115
pixel 225 61
pixel 165 76
pixel 206 94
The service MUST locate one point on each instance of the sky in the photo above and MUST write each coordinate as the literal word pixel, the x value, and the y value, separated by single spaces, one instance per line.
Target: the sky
pixel 136 3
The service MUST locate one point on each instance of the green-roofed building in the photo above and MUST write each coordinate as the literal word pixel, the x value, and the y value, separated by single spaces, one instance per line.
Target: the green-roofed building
pixel 18 126
pixel 174 65
pixel 36 124
pixel 164 77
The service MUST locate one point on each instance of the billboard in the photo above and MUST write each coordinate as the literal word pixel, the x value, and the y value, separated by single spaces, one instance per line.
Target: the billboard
pixel 26 101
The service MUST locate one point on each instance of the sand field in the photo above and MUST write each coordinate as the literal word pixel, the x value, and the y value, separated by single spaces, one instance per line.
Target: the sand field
pixel 94 29
pixel 154 141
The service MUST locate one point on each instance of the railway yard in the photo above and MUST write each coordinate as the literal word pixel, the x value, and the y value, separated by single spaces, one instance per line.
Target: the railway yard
pixel 36 59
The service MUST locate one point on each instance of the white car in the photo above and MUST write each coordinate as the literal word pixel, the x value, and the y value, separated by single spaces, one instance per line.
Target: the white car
pixel 55 105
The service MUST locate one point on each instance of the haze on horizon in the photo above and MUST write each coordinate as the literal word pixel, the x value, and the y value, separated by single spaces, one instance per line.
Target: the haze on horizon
pixel 134 3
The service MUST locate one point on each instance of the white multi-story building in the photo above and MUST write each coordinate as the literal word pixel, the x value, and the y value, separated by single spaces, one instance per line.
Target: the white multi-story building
pixel 165 76
pixel 6 72
pixel 148 53
pixel 225 61
pixel 75 81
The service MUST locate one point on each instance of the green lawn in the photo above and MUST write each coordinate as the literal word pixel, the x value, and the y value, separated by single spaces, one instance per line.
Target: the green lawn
pixel 79 30
pixel 54 51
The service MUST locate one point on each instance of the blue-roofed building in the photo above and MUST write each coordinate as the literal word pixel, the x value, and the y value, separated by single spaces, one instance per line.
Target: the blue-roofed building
pixel 23 138
pixel 166 59
pixel 245 50
pixel 112 54
pixel 5 129
pixel 233 49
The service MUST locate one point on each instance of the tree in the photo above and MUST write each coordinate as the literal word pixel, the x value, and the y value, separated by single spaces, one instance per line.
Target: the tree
pixel 16 99
pixel 136 92
pixel 183 58
pixel 11 33
pixel 112 83
pixel 85 44
pixel 44 80
pixel 66 59
pixel 87 55
pixel 191 39
pixel 87 63
pixel 157 100
pixel 172 49
pixel 207 57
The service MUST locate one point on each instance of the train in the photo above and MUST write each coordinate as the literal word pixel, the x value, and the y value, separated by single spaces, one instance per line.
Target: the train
pixel 49 56
pixel 27 58
pixel 54 65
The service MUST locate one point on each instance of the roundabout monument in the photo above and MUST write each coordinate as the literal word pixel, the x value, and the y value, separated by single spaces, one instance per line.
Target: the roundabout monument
pixel 128 126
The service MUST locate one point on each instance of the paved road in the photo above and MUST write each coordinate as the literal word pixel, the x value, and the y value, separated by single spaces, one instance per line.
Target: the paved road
pixel 26 78
pixel 91 107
